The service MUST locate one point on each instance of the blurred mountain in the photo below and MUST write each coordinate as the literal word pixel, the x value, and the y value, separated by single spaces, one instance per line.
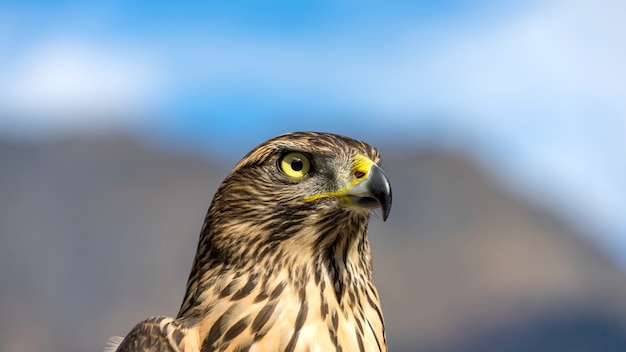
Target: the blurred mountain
pixel 98 234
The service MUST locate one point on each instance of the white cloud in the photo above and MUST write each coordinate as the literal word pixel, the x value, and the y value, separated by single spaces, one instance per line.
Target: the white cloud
pixel 61 83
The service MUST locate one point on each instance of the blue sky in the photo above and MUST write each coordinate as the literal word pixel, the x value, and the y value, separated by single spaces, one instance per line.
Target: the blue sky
pixel 534 89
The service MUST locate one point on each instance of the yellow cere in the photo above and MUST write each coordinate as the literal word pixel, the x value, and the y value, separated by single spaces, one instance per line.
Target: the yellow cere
pixel 296 165
pixel 361 165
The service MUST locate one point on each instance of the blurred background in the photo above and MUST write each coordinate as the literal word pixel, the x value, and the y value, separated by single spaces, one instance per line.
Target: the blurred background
pixel 502 126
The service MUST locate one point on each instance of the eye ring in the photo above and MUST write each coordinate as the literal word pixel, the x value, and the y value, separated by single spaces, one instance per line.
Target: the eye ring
pixel 295 165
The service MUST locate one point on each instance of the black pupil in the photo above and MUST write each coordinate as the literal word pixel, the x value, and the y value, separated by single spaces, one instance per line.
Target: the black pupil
pixel 296 164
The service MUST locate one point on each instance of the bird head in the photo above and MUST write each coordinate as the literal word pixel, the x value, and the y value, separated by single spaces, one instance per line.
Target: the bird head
pixel 305 188
pixel 288 223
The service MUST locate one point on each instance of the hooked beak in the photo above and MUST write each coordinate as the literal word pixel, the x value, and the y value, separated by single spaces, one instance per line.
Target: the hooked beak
pixel 372 192
pixel 369 187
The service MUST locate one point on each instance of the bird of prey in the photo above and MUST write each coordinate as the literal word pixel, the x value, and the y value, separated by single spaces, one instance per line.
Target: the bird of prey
pixel 283 261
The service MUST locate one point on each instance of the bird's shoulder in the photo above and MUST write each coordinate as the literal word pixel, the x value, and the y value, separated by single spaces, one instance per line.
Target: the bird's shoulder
pixel 158 334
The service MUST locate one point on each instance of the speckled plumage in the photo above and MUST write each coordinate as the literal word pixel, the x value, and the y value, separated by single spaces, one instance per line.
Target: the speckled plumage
pixel 275 273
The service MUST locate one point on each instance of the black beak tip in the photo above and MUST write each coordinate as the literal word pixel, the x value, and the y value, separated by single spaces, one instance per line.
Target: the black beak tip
pixel 381 188
pixel 386 205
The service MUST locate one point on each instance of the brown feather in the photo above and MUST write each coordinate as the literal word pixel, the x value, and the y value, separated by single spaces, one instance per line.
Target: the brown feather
pixel 273 272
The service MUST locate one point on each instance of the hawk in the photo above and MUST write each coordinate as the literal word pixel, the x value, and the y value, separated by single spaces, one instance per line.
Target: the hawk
pixel 283 260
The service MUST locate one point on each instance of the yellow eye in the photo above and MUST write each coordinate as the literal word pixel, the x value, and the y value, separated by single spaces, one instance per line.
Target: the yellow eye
pixel 295 165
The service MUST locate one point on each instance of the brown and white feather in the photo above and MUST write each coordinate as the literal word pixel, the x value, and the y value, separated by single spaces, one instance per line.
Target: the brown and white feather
pixel 274 273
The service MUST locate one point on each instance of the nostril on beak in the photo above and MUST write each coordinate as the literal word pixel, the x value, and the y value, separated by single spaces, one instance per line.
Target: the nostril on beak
pixel 359 174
